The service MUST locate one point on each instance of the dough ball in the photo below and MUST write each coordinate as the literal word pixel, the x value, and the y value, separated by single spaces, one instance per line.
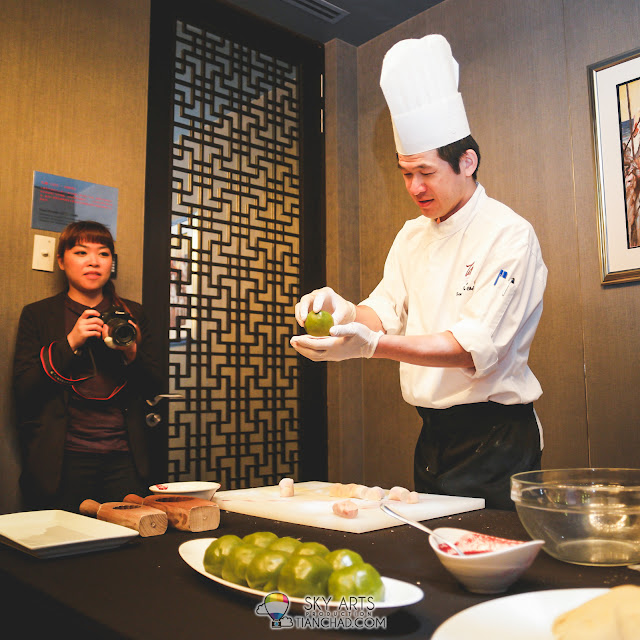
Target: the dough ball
pixel 374 493
pixel 347 490
pixel 345 509
pixel 359 491
pixel 399 493
pixel 286 487
pixel 335 489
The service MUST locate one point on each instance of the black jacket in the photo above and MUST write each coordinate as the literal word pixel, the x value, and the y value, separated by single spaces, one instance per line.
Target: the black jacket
pixel 42 403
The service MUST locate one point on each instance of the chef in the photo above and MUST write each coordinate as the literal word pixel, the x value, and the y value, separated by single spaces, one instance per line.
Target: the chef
pixel 460 297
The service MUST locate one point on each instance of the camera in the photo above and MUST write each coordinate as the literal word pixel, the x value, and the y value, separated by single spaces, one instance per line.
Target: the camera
pixel 120 331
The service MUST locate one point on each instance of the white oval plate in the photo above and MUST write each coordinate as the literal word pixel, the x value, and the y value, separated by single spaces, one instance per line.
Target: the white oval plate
pixel 397 593
pixel 525 616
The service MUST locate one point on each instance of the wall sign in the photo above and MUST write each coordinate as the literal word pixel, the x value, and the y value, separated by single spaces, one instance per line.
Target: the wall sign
pixel 58 201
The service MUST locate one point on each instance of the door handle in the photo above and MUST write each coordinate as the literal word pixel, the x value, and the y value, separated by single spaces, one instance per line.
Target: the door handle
pixel 170 396
pixel 154 419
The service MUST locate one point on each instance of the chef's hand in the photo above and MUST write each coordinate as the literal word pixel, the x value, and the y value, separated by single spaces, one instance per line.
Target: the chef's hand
pixel 353 340
pixel 326 299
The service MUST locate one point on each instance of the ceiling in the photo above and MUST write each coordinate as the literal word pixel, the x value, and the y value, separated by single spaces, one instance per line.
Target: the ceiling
pixel 352 21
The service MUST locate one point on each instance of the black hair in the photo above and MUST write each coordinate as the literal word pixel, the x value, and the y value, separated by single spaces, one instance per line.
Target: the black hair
pixel 452 153
pixel 91 231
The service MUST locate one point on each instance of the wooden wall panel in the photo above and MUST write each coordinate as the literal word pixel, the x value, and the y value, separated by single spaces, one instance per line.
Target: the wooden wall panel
pixel 597 30
pixel 73 103
pixel 344 380
pixel 514 84
pixel 391 426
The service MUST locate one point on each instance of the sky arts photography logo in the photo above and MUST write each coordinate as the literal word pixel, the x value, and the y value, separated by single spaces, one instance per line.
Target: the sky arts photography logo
pixel 320 612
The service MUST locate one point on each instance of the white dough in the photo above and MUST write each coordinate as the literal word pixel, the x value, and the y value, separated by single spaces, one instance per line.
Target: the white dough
pixel 374 493
pixel 399 493
pixel 345 509
pixel 347 490
pixel 413 497
pixel 359 491
pixel 335 489
pixel 286 488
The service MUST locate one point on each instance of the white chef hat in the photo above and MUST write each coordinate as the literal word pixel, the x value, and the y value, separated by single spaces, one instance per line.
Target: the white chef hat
pixel 419 80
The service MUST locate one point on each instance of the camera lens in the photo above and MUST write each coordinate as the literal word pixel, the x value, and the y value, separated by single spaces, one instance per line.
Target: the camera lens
pixel 122 333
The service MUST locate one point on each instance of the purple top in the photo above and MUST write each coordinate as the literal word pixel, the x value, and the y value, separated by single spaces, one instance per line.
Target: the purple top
pixel 95 425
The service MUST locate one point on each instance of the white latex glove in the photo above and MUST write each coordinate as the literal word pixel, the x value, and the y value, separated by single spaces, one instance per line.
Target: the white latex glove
pixel 326 299
pixel 353 340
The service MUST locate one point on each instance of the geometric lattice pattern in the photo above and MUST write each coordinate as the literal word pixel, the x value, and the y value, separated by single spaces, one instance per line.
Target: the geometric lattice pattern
pixel 235 275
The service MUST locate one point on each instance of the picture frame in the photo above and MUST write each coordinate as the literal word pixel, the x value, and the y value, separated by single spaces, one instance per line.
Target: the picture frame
pixel 614 86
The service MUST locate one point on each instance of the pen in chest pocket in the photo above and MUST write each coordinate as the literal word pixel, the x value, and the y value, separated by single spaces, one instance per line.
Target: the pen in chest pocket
pixel 509 284
pixel 502 274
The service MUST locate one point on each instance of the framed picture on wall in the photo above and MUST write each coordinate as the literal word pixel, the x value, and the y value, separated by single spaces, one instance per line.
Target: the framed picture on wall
pixel 615 106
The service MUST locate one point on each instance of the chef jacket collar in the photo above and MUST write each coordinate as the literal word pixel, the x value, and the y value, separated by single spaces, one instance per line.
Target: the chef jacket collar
pixel 460 218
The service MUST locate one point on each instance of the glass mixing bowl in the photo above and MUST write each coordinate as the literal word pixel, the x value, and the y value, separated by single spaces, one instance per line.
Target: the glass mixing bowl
pixel 585 516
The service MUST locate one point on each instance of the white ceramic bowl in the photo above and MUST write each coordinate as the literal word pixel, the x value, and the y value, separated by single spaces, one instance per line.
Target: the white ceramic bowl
pixel 489 572
pixel 195 489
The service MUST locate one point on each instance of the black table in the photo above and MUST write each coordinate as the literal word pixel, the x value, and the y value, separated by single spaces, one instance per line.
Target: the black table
pixel 144 590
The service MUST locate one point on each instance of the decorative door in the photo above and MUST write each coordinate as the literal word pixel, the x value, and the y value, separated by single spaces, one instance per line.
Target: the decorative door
pixel 233 220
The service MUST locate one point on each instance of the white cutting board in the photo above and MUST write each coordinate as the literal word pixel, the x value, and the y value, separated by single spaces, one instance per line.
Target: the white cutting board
pixel 312 506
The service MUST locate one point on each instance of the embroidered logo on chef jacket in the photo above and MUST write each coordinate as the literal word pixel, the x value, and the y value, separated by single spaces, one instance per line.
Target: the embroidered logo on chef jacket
pixel 468 283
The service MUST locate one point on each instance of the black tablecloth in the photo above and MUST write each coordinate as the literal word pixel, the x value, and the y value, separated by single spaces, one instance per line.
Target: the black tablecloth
pixel 144 590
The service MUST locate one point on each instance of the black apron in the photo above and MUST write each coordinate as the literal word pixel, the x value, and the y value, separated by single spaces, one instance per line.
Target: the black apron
pixel 474 449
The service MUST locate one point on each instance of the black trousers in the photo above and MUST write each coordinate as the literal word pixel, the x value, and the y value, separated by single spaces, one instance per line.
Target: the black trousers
pixel 103 477
pixel 474 449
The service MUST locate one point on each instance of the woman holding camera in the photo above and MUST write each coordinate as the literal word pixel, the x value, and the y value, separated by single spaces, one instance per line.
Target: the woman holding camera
pixel 82 370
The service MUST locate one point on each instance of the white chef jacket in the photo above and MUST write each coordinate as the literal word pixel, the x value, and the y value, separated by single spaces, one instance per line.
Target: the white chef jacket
pixel 480 275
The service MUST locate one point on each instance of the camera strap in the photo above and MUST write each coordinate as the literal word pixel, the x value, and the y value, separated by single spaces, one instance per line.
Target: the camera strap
pixel 56 376
pixel 50 370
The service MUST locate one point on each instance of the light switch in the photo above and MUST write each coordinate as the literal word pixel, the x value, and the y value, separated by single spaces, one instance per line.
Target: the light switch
pixel 43 253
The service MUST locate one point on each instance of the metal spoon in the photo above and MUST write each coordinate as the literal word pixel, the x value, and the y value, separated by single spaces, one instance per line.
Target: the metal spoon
pixel 417 525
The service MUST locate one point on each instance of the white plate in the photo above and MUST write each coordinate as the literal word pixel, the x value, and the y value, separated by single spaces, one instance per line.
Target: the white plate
pixel 525 616
pixel 54 533
pixel 397 593
pixel 194 488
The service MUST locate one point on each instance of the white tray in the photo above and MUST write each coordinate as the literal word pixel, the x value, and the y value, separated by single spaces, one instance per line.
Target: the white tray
pixel 312 505
pixel 54 533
